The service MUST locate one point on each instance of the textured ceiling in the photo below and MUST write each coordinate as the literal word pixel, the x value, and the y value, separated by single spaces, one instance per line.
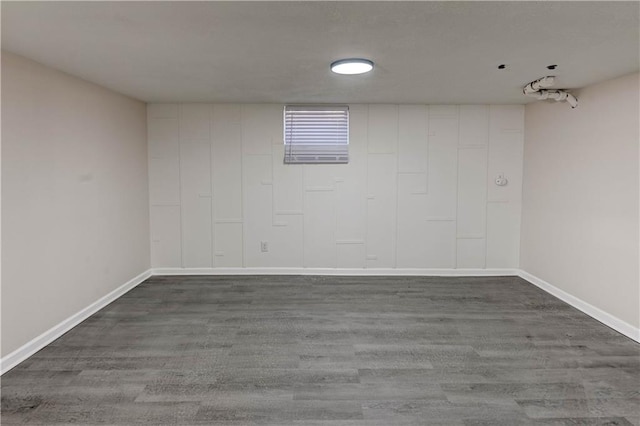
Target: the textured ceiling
pixel 425 52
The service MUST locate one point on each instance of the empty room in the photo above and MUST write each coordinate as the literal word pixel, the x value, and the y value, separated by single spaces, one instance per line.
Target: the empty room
pixel 320 213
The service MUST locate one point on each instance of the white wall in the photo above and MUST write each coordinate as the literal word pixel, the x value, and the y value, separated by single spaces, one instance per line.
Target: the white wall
pixel 580 211
pixel 75 216
pixel 418 191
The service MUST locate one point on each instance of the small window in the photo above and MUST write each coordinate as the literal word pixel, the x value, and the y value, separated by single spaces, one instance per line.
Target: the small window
pixel 316 134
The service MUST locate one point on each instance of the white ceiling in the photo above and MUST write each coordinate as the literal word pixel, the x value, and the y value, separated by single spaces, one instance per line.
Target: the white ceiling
pixel 425 52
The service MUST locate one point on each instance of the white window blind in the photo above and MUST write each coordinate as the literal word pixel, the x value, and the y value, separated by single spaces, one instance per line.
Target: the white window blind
pixel 316 134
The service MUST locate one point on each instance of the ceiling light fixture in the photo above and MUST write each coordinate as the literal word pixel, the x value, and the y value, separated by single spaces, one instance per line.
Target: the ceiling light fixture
pixel 352 66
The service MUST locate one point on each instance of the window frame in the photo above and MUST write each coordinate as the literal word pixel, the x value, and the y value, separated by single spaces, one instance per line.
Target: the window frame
pixel 317 152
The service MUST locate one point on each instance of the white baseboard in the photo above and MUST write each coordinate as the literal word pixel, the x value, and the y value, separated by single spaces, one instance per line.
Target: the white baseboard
pixel 606 318
pixel 25 351
pixel 340 271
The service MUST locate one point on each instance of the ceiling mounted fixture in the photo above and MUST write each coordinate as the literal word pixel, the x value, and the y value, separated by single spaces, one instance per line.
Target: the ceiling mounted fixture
pixel 352 66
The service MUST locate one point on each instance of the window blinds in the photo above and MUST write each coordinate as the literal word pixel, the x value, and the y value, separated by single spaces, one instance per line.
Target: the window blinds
pixel 316 134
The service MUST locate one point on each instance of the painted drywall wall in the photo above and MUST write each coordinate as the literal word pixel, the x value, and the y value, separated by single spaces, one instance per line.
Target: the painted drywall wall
pixel 580 205
pixel 418 191
pixel 75 216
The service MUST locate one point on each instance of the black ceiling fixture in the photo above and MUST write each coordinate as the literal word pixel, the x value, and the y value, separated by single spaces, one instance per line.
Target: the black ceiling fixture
pixel 551 67
pixel 502 66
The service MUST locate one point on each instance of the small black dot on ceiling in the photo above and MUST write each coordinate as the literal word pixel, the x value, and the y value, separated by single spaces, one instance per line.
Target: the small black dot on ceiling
pixel 502 66
pixel 551 67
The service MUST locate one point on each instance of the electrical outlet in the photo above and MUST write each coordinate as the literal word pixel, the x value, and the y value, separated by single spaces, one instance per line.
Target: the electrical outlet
pixel 264 246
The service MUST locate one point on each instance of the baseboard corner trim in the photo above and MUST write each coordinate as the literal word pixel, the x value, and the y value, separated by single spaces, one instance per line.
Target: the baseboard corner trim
pixel 425 272
pixel 598 314
pixel 25 351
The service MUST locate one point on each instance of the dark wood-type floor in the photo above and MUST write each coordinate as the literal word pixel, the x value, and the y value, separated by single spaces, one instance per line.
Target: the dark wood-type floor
pixel 373 351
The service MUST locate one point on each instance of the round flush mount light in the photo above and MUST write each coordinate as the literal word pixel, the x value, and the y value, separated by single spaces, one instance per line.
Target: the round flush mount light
pixel 352 66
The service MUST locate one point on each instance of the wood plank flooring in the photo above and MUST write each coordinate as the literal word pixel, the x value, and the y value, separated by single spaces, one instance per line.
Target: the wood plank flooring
pixel 325 351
